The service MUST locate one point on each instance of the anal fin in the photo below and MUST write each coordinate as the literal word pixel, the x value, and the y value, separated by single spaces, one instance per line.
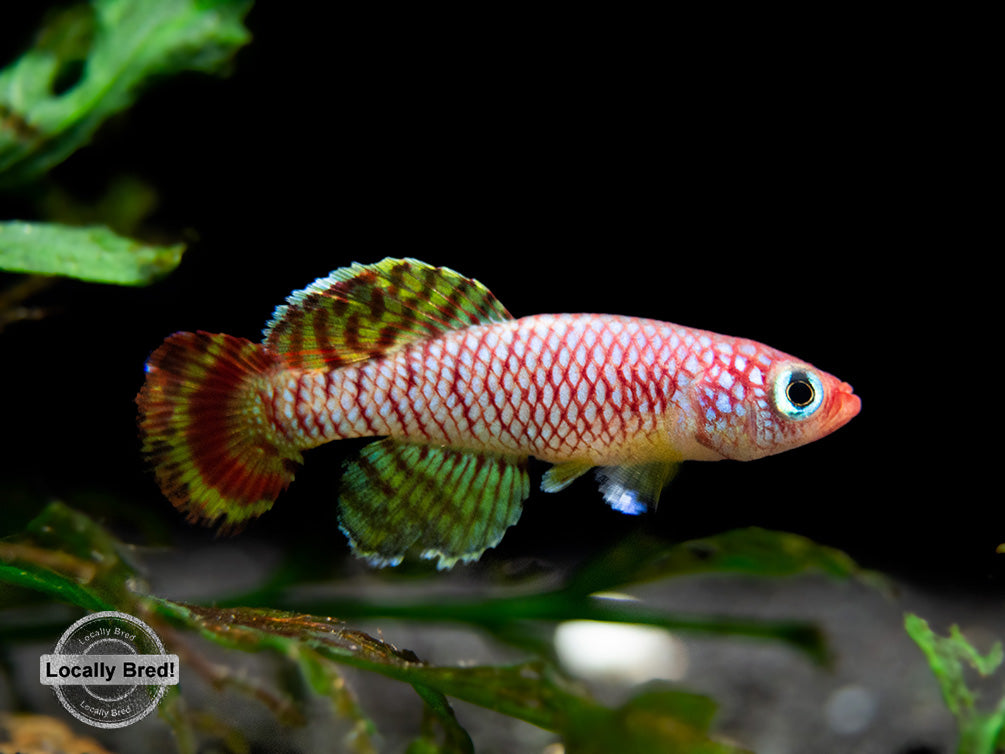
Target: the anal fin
pixel 635 489
pixel 442 503
pixel 561 475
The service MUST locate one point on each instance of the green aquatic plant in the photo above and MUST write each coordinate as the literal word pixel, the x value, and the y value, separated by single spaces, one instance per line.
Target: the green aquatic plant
pixel 96 254
pixel 93 60
pixel 950 658
pixel 66 555
pixel 89 62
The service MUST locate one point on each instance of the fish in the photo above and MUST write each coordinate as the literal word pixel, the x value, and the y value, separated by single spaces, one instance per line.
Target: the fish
pixel 458 396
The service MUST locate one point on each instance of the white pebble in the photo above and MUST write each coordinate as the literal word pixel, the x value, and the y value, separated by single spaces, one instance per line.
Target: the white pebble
pixel 850 710
pixel 619 652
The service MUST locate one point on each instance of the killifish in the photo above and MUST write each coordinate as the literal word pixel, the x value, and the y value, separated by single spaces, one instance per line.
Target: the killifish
pixel 459 394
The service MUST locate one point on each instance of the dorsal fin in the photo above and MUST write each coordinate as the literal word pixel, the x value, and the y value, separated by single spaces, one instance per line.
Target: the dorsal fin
pixel 363 311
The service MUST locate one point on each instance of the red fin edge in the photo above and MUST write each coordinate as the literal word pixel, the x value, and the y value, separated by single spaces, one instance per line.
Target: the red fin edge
pixel 206 426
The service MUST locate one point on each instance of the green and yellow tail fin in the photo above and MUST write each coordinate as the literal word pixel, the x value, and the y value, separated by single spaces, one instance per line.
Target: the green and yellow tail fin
pixel 207 429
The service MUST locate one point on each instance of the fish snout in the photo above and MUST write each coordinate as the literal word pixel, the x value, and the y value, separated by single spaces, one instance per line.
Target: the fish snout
pixel 845 407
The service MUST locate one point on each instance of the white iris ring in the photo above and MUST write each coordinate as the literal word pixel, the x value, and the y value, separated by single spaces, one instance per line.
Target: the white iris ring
pixel 785 405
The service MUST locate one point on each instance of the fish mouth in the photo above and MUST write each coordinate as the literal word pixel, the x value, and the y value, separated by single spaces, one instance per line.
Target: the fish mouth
pixel 845 408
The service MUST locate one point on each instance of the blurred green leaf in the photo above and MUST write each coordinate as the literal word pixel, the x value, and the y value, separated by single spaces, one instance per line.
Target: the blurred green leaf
pixel 754 551
pixel 666 721
pixel 658 720
pixel 95 253
pixel 90 62
pixel 68 556
pixel 949 657
pixel 455 739
pixel 123 205
pixel 640 558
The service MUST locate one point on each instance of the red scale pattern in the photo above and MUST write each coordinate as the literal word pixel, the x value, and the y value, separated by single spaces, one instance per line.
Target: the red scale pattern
pixel 559 387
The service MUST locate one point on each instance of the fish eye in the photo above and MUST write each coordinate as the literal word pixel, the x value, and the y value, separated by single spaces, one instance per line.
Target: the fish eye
pixel 798 393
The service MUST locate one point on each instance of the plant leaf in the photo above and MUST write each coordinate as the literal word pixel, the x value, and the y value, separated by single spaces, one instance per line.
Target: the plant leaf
pixel 104 55
pixel 949 657
pixel 657 720
pixel 69 556
pixel 754 551
pixel 95 253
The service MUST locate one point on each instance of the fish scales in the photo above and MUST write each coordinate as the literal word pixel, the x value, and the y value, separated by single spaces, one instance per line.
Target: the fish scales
pixel 461 394
pixel 558 387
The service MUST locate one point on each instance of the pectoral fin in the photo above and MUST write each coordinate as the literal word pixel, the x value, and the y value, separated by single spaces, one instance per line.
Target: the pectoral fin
pixel 441 503
pixel 635 489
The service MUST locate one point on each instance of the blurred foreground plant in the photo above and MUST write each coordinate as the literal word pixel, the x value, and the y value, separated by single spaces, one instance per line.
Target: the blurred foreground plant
pixel 949 658
pixel 92 61
pixel 89 62
pixel 70 558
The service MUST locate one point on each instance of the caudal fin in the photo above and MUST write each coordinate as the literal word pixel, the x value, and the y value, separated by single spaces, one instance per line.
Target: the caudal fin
pixel 206 424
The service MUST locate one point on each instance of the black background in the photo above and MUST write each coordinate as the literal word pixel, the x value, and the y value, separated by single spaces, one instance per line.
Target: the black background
pixel 817 189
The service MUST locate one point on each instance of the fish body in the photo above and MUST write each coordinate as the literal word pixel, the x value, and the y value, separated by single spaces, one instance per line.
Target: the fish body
pixel 461 394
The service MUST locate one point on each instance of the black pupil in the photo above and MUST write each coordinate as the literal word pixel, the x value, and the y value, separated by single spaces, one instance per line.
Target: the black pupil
pixel 800 392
